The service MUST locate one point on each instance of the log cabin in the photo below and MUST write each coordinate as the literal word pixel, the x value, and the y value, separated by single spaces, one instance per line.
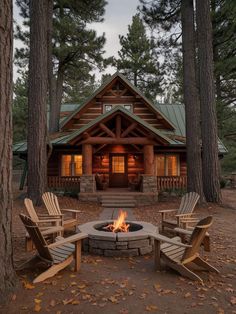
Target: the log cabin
pixel 117 139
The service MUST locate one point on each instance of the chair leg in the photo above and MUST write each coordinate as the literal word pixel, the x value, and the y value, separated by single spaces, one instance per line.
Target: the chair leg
pixel 53 270
pixel 30 263
pixel 200 262
pixel 28 244
pixel 206 243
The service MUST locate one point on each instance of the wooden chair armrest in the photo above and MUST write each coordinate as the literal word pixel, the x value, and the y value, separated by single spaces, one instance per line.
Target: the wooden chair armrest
pixel 52 230
pixel 189 219
pixel 165 239
pixel 183 231
pixel 71 239
pixel 49 220
pixel 50 216
pixel 72 210
pixel 167 211
pixel 185 215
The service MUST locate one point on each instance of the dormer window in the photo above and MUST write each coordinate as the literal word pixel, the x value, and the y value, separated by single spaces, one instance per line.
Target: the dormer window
pixel 109 107
pixel 128 107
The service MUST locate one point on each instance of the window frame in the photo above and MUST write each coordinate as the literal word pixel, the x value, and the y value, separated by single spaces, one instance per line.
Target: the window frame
pixel 113 105
pixel 166 164
pixel 72 166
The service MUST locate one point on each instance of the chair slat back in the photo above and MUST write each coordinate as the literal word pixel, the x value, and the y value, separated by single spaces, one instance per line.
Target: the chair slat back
pixel 51 202
pixel 31 210
pixel 188 203
pixel 197 237
pixel 37 238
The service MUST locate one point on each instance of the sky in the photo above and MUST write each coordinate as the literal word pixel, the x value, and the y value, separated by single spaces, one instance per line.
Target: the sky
pixel 116 20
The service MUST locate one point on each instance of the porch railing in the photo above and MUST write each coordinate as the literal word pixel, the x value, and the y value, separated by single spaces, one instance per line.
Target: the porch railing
pixel 63 182
pixel 165 183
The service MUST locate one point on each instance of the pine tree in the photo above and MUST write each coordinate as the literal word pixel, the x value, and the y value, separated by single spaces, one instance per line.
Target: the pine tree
pixel 20 108
pixel 7 274
pixel 138 60
pixel 37 106
pixel 191 100
pixel 76 49
pixel 210 161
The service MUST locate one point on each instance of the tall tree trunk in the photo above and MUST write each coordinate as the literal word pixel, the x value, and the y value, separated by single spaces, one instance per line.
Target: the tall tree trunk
pixel 55 107
pixel 7 274
pixel 210 161
pixel 37 122
pixel 191 100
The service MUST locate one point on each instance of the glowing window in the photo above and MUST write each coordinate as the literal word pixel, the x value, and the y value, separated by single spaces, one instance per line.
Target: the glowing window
pixel 71 165
pixel 118 164
pixel 160 165
pixel 167 165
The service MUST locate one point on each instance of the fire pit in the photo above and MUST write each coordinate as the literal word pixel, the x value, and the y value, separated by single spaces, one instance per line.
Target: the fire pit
pixel 130 238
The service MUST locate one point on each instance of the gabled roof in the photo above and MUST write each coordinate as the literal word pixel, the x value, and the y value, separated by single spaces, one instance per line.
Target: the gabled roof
pixel 67 138
pixel 101 88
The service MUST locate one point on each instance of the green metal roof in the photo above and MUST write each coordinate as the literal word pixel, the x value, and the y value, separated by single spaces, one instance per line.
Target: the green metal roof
pixel 176 114
pixel 109 80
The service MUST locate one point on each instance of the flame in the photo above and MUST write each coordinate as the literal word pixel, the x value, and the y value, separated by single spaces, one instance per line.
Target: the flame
pixel 119 224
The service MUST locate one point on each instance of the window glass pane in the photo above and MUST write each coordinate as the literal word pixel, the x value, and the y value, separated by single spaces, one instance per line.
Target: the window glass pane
pixel 108 108
pixel 118 164
pixel 66 165
pixel 77 165
pixel 160 159
pixel 172 165
pixel 127 107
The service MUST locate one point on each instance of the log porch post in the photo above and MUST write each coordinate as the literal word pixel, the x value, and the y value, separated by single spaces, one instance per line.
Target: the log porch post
pixel 148 151
pixel 87 158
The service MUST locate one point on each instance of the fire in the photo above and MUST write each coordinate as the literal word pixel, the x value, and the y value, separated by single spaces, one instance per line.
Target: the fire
pixel 119 224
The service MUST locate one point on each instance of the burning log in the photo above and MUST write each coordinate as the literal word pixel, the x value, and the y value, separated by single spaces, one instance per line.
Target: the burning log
pixel 119 224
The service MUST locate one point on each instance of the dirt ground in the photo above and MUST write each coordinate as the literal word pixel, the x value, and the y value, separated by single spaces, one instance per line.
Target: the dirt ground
pixel 131 285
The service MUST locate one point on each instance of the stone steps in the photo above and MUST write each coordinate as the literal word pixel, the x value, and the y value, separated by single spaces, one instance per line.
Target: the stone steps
pixel 118 201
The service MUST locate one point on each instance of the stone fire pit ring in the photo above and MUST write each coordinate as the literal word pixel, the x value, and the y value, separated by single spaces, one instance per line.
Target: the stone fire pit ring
pixel 118 244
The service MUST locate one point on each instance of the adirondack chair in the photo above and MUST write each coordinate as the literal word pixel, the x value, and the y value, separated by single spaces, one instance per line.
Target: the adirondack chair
pixel 57 255
pixel 187 205
pixel 51 202
pixel 178 255
pixel 188 224
pixel 44 222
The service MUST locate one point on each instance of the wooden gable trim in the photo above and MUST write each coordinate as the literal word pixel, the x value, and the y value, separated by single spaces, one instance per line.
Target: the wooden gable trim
pixel 97 100
pixel 108 136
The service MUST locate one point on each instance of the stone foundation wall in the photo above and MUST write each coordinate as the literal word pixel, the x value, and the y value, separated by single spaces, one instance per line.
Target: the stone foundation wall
pixel 87 183
pixel 149 183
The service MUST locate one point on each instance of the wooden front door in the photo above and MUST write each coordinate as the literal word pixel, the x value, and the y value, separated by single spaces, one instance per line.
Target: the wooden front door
pixel 118 170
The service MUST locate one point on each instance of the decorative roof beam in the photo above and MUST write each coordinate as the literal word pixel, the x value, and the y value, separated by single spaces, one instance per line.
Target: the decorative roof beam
pixel 129 129
pixel 105 129
pixel 118 126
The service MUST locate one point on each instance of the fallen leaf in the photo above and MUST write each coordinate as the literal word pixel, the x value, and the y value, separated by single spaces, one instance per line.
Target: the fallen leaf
pixel 233 300
pixel 28 286
pixel 187 295
pixel 52 303
pixel 113 299
pixel 37 305
pixel 151 308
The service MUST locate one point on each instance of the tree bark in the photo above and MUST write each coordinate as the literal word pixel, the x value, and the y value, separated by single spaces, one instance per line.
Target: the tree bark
pixel 7 274
pixel 56 99
pixel 210 161
pixel 37 122
pixel 191 100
